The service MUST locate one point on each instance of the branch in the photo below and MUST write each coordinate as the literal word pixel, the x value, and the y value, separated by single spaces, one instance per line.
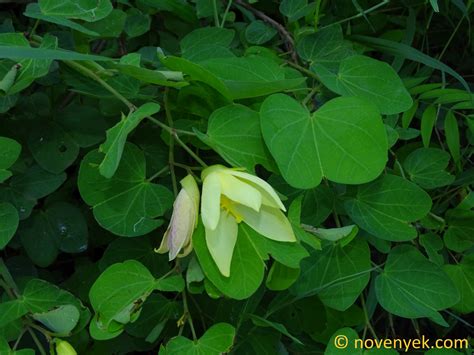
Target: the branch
pixel 285 35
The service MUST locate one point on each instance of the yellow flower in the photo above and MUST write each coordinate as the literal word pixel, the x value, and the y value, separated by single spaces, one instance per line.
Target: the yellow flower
pixel 229 197
pixel 64 348
pixel 183 221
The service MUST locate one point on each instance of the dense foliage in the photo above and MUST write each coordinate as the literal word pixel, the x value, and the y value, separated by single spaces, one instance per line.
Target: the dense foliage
pixel 358 113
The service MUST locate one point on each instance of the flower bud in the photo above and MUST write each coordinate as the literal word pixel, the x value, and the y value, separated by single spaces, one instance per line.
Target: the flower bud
pixel 177 238
pixel 64 348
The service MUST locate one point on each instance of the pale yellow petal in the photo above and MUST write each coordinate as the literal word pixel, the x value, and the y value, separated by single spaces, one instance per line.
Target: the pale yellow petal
pixel 164 243
pixel 269 222
pixel 221 242
pixel 270 197
pixel 240 192
pixel 211 201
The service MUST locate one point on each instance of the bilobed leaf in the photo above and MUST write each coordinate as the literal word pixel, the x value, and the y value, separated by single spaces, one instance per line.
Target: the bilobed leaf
pixel 344 140
pixel 296 9
pixel 413 287
pixel 114 293
pixel 349 275
pixel 369 79
pixel 426 167
pixel 9 153
pixel 8 223
pixel 234 132
pixel 216 340
pixel 325 47
pixel 86 10
pixel 460 233
pixel 386 207
pixel 126 204
pixel 117 137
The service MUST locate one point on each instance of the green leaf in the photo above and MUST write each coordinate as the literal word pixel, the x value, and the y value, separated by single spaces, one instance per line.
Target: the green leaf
pixel 53 148
pixel 296 9
pixel 207 43
pixel 385 207
pixel 86 10
pixel 411 53
pixel 216 340
pixel 246 270
pixel 462 275
pixel 110 26
pixel 251 76
pixel 460 233
pixel 336 274
pixel 325 47
pixel 11 311
pixel 34 11
pixel 428 120
pixel 426 167
pixel 8 223
pixel 258 32
pixel 17 52
pixel 451 130
pixel 137 23
pixel 60 320
pixel 117 137
pixel 36 183
pixel 344 140
pixel 170 284
pixel 370 79
pixel 280 277
pixel 410 286
pixel 245 149
pixel 343 342
pixel 119 291
pixel 127 204
pixel 9 153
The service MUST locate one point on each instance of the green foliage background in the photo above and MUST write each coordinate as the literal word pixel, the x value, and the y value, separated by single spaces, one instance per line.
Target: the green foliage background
pixel 359 113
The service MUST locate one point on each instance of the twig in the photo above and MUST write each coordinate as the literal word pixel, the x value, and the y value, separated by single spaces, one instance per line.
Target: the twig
pixel 289 42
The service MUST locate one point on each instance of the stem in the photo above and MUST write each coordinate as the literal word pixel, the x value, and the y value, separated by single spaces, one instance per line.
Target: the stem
pixel 154 176
pixel 310 95
pixel 367 320
pixel 89 73
pixel 35 26
pixel 316 14
pixel 171 148
pixel 450 38
pixel 189 151
pixel 188 315
pixel 289 42
pixel 17 342
pixel 229 3
pixel 360 14
pixel 37 342
pixel 10 286
pixel 303 70
pixel 216 15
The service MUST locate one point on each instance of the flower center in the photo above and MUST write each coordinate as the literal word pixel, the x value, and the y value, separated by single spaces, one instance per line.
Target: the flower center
pixel 228 206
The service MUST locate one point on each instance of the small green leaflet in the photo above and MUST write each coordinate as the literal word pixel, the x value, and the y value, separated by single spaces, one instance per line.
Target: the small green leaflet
pixel 8 223
pixel 258 32
pixel 413 287
pixel 369 79
pixel 344 140
pixel 207 43
pixel 117 137
pixel 462 275
pixel 126 204
pixel 386 207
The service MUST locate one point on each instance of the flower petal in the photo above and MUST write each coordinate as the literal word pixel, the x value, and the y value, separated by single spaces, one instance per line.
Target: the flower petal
pixel 221 242
pixel 240 192
pixel 190 186
pixel 181 224
pixel 269 222
pixel 270 197
pixel 211 201
pixel 164 243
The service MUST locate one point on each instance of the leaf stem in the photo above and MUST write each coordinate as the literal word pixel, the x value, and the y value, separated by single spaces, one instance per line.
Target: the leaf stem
pixel 366 315
pixel 216 15
pixel 169 118
pixel 37 342
pixel 89 73
pixel 161 171
pixel 188 315
pixel 303 70
pixel 224 17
